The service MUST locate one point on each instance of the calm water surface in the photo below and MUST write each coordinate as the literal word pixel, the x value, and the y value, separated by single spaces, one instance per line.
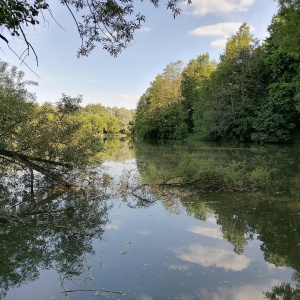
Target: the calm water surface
pixel 210 245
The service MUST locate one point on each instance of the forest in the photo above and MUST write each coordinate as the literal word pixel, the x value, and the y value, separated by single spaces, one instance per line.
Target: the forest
pixel 252 94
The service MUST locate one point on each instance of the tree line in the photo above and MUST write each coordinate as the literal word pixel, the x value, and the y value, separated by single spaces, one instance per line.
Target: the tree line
pixel 251 95
pixel 50 138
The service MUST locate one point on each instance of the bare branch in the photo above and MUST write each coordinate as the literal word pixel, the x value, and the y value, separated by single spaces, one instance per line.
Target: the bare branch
pixel 29 46
pixel 75 20
pixel 4 38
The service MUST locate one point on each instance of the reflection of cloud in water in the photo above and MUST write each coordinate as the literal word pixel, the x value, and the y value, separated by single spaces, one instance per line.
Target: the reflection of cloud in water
pixel 211 219
pixel 144 297
pixel 144 231
pixel 179 267
pixel 210 232
pixel 115 225
pixel 272 267
pixel 207 256
pixel 186 297
pixel 245 292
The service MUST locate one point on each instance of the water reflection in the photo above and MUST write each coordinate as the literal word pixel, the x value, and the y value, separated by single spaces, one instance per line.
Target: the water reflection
pixel 270 215
pixel 176 244
pixel 43 228
pixel 211 256
pixel 209 232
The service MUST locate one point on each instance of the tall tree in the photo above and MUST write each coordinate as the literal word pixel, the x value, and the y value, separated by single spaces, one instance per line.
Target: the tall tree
pixel 228 103
pixel 278 117
pixel 158 114
pixel 285 27
pixel 194 76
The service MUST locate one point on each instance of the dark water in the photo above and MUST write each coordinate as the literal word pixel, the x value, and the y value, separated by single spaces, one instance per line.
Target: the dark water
pixel 206 245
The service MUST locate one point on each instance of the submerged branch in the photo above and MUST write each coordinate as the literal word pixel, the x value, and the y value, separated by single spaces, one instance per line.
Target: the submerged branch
pixel 48 161
pixel 90 290
pixel 31 208
pixel 28 162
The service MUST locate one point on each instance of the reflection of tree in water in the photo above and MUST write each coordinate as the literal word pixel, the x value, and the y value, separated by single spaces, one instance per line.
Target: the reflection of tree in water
pixel 271 212
pixel 285 291
pixel 46 229
pixel 234 227
pixel 274 219
pixel 118 149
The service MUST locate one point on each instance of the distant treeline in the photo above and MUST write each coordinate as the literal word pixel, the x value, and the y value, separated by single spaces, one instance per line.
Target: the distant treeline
pixel 251 95
pixel 95 118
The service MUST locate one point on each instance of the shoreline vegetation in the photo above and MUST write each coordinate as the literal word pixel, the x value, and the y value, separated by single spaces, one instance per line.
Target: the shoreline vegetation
pixel 252 95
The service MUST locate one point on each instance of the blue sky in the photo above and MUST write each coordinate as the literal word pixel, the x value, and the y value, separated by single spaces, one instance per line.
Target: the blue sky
pixel 203 27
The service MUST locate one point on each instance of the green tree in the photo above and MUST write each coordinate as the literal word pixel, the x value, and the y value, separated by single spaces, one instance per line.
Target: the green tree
pixel 68 104
pixel 229 99
pixel 95 109
pixel 194 76
pixel 43 138
pixel 286 26
pixel 278 116
pixel 125 118
pixel 159 110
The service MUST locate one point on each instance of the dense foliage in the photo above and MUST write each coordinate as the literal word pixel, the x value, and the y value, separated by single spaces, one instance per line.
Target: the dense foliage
pixel 251 94
pixel 51 138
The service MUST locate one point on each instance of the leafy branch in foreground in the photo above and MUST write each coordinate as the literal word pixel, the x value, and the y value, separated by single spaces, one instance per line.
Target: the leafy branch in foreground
pixel 110 23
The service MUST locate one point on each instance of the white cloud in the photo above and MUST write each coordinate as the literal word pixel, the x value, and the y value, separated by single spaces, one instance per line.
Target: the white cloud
pixel 210 232
pixel 219 43
pixel 204 7
pixel 223 30
pixel 207 256
pixel 145 29
pixel 219 29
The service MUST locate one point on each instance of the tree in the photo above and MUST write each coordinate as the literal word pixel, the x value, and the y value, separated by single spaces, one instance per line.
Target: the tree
pixel 278 115
pixel 42 138
pixel 68 104
pixel 228 97
pixel 125 118
pixel 285 27
pixel 111 23
pixel 159 110
pixel 194 76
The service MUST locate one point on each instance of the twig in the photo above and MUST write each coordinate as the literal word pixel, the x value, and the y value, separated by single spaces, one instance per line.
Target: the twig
pixel 51 14
pixel 29 46
pixel 75 20
pixel 19 57
pixel 102 290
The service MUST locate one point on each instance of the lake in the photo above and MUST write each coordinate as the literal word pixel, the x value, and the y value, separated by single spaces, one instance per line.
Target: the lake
pixel 170 243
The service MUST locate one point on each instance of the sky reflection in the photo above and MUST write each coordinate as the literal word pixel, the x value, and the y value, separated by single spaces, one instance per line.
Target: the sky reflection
pixel 209 256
